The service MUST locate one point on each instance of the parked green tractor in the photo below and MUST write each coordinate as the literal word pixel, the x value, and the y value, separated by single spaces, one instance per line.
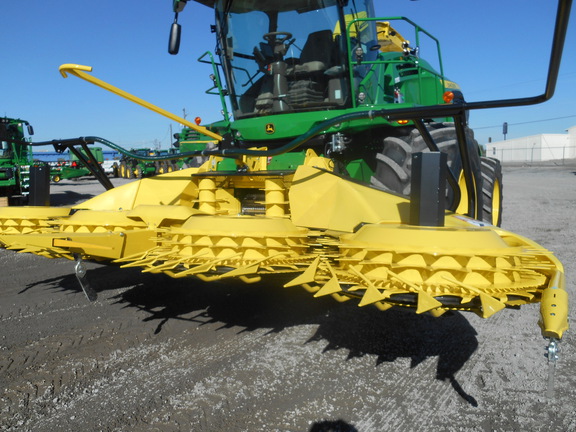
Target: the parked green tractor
pixel 15 161
pixel 75 168
pixel 168 165
pixel 136 166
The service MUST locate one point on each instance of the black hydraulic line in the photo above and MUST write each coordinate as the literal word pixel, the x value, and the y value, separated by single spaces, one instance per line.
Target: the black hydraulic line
pixel 87 159
pixel 452 181
pixel 560 29
pixel 62 144
pixel 227 152
pixel 474 210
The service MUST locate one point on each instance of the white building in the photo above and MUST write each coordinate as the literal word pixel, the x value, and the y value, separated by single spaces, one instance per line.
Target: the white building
pixel 535 148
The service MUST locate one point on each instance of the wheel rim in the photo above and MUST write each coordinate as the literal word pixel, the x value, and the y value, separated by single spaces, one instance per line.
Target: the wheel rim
pixel 496 200
pixel 463 204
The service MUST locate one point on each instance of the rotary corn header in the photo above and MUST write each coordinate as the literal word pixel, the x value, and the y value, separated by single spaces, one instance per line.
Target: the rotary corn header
pixel 344 164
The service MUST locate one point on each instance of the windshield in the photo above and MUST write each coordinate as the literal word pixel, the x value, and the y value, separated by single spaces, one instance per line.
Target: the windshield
pixel 5 149
pixel 284 56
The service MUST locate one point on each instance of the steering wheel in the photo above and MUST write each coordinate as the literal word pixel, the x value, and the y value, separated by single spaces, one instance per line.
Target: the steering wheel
pixel 274 37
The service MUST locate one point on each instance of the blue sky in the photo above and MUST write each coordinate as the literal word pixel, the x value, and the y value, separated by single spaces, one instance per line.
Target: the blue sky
pixel 491 48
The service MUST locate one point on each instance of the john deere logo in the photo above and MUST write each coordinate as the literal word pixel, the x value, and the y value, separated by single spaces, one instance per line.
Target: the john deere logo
pixel 270 128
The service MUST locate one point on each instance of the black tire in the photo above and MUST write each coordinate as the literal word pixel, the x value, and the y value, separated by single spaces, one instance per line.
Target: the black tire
pixel 394 163
pixel 491 191
pixel 138 171
pixel 158 168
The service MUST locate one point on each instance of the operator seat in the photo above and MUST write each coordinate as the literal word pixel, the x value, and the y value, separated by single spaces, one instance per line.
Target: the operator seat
pixel 306 79
pixel 316 55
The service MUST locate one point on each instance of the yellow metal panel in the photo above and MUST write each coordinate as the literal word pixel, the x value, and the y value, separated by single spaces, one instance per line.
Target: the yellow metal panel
pixel 155 215
pixel 33 212
pixel 319 199
pixel 89 219
pixel 418 239
pixel 175 188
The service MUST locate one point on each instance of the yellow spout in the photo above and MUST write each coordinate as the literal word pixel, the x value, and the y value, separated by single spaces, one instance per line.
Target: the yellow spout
pixel 80 72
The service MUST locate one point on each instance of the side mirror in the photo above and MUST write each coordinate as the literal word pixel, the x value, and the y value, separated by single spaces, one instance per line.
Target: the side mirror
pixel 174 42
pixel 30 130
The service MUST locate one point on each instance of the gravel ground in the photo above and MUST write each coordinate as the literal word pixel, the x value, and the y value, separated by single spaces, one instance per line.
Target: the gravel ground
pixel 157 354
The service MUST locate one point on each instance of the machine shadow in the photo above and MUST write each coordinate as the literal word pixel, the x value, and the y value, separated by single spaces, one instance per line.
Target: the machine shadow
pixel 361 331
pixel 398 333
pixel 332 426
pixel 67 198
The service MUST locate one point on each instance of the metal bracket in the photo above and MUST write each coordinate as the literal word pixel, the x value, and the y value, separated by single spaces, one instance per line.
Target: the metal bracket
pixel 81 275
pixel 552 351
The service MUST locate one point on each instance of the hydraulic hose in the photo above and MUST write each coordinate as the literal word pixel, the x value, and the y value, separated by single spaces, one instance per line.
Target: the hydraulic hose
pixel 225 152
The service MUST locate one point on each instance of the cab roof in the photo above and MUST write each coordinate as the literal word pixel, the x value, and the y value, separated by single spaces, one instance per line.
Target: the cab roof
pixel 285 5
pixel 209 3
